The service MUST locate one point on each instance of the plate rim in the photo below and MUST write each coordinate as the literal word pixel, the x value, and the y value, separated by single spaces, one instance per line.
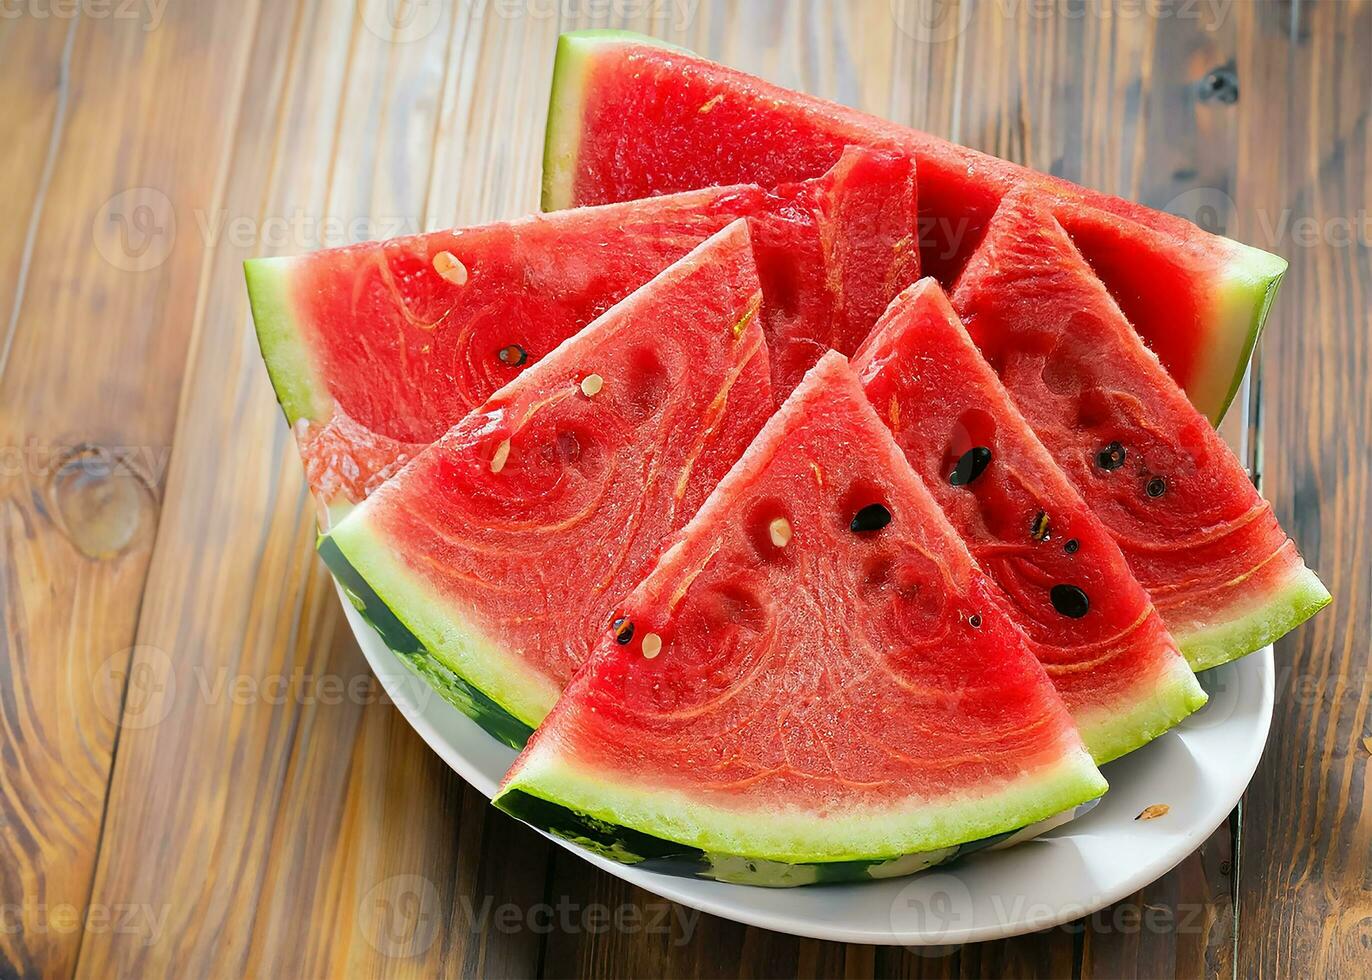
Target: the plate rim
pixel 386 665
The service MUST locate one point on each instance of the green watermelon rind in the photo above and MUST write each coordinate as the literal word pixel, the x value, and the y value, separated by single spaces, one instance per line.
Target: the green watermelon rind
pixel 1241 302
pixel 294 372
pixel 667 831
pixel 1271 618
pixel 1143 713
pixel 561 137
pixel 650 853
pixel 502 702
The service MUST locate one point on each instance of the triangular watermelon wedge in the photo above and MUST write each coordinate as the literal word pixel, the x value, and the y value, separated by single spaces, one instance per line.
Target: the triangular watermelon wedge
pixel 1113 662
pixel 815 682
pixel 631 116
pixel 492 561
pixel 376 350
pixel 1222 573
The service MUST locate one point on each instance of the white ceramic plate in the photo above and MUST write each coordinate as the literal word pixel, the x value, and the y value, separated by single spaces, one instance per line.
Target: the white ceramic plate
pixel 1198 769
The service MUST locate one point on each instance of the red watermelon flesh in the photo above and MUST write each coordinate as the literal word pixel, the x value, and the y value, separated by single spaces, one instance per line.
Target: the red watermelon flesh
pixel 375 353
pixel 1222 573
pixel 1114 663
pixel 499 552
pixel 630 117
pixel 818 695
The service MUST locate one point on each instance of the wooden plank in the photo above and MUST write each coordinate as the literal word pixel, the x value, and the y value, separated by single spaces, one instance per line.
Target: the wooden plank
pixel 1305 899
pixel 35 55
pixel 97 286
pixel 304 833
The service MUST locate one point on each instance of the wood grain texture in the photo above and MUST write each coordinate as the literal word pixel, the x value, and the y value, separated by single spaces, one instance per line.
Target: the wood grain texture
pixel 1304 891
pixel 194 757
pixel 99 288
pixel 352 849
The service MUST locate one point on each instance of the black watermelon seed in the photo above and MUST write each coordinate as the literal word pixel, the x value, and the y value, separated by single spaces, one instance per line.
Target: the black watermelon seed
pixel 623 630
pixel 1070 601
pixel 513 355
pixel 1156 487
pixel 1039 530
pixel 1111 457
pixel 970 466
pixel 1071 546
pixel 974 621
pixel 873 517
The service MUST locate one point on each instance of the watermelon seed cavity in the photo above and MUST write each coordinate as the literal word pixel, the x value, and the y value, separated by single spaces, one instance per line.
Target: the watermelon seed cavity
pixel 1156 487
pixel 780 530
pixel 513 355
pixel 450 267
pixel 974 621
pixel 970 466
pixel 591 385
pixel 623 630
pixel 1070 601
pixel 873 517
pixel 1111 457
pixel 1071 546
pixel 502 453
pixel 1039 530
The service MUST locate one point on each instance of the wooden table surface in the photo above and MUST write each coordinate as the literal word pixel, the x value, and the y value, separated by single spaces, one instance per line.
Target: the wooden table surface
pixel 198 775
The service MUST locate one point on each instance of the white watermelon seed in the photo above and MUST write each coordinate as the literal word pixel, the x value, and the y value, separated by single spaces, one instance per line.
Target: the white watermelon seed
pixel 780 529
pixel 450 267
pixel 652 645
pixel 502 453
pixel 591 385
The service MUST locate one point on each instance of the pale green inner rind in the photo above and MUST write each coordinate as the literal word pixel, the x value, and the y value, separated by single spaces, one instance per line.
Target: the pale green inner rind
pixel 1242 302
pixel 798 836
pixel 562 138
pixel 294 373
pixel 1275 616
pixel 494 671
pixel 1119 729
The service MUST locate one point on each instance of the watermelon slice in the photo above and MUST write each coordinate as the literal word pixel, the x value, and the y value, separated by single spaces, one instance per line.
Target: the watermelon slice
pixel 631 117
pixel 492 561
pixel 1224 576
pixel 376 350
pixel 1114 663
pixel 815 682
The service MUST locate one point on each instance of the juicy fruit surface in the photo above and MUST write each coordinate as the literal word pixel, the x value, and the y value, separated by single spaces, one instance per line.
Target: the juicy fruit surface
pixel 832 252
pixel 519 530
pixel 1113 662
pixel 405 343
pixel 651 120
pixel 1194 530
pixel 821 694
